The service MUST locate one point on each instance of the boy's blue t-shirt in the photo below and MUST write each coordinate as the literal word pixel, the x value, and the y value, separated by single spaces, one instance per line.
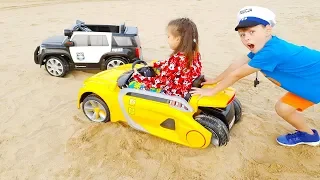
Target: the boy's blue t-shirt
pixel 294 68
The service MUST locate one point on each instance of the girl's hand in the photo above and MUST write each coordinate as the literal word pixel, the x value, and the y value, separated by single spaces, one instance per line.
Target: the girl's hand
pixel 135 71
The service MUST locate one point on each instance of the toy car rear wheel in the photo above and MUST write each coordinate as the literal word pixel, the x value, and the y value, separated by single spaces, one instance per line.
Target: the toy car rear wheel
pixel 220 132
pixel 95 109
pixel 238 110
pixel 113 62
pixel 56 66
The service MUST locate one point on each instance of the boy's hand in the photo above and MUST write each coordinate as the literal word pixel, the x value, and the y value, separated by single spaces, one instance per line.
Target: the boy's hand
pixel 201 92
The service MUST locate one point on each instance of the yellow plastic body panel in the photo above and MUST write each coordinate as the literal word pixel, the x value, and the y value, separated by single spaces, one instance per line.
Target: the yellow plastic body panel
pixel 149 114
pixel 220 100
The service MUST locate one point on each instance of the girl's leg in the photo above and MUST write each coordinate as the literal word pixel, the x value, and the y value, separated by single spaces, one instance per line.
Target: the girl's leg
pixel 141 86
pixel 136 85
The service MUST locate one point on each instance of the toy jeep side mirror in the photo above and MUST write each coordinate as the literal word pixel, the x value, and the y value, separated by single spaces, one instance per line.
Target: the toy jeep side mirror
pixel 69 43
pixel 68 32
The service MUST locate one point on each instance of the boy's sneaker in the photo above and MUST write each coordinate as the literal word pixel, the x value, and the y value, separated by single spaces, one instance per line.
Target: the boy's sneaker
pixel 299 137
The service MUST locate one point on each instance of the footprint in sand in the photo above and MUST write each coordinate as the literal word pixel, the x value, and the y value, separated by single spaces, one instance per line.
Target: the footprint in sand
pixel 151 166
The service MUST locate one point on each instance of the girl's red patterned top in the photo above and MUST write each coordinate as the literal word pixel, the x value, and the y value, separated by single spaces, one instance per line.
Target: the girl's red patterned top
pixel 174 78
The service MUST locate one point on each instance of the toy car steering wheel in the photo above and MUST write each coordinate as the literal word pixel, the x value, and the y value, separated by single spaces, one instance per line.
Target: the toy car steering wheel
pixel 146 71
pixel 137 62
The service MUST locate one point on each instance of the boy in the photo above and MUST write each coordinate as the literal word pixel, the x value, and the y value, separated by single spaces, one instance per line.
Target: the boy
pixel 294 68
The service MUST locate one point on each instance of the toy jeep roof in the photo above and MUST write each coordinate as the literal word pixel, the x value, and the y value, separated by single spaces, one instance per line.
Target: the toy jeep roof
pixel 89 46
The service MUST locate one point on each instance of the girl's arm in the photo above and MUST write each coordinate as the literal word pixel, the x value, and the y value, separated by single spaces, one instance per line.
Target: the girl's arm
pixel 180 80
pixel 155 82
pixel 158 64
pixel 150 82
pixel 158 81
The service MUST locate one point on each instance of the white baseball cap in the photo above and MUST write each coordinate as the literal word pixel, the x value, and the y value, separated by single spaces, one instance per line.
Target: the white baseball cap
pixel 254 15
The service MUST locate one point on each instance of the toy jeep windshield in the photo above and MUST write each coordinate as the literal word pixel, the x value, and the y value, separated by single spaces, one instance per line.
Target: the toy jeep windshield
pixel 89 46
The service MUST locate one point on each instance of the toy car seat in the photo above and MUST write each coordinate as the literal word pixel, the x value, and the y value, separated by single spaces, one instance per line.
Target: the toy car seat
pixel 147 71
pixel 196 83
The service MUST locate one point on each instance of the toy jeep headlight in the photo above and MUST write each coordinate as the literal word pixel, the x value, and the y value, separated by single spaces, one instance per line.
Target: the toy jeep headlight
pixel 41 48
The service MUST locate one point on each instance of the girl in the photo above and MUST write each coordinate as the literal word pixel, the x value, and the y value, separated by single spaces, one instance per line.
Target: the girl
pixel 176 73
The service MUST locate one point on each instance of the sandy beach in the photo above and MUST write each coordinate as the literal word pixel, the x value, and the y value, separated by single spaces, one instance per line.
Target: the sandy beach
pixel 44 136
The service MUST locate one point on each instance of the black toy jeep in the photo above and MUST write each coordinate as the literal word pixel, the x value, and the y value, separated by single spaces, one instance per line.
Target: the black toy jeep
pixel 89 46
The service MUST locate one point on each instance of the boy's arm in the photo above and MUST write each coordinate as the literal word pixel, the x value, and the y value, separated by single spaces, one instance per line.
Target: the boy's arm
pixel 235 65
pixel 229 80
pixel 266 60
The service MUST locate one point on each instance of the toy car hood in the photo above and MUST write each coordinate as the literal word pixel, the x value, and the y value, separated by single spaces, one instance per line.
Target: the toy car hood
pixel 109 77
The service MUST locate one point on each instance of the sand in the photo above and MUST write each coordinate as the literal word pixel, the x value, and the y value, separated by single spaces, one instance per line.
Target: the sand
pixel 44 135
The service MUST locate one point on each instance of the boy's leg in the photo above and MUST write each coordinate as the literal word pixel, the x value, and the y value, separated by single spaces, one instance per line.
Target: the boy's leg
pixel 287 107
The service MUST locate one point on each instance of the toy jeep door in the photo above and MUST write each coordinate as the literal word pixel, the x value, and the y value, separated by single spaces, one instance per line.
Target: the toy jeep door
pixel 89 47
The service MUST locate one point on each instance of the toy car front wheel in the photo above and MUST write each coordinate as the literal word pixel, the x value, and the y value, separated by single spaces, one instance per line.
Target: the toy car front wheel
pixel 114 62
pixel 238 109
pixel 95 109
pixel 220 133
pixel 56 66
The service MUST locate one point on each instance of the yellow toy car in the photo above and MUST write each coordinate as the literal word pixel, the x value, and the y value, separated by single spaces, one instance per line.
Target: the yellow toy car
pixel 197 123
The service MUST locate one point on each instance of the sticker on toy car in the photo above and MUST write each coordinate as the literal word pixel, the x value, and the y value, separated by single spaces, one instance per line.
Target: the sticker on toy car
pixel 80 56
pixel 117 49
pixel 131 110
pixel 132 102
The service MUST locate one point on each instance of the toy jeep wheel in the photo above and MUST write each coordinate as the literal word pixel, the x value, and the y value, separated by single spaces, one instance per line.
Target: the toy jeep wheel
pixel 95 109
pixel 56 66
pixel 238 109
pixel 114 62
pixel 220 133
